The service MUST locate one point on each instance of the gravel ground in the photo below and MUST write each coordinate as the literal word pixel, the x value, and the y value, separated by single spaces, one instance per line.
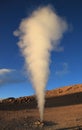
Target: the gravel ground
pixel 59 118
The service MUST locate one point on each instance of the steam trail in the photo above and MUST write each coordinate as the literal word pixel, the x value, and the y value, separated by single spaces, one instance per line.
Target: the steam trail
pixel 38 35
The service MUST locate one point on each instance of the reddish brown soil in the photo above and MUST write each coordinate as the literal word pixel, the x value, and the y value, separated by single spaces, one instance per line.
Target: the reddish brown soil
pixel 62 112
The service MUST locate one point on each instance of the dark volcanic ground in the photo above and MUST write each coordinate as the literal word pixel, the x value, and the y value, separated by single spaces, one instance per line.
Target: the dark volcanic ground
pixel 62 112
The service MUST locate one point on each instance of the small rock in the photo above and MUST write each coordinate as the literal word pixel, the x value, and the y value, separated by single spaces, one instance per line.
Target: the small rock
pixel 39 124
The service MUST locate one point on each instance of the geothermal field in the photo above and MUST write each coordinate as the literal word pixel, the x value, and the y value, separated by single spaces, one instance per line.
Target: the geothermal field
pixel 39 35
pixel 62 111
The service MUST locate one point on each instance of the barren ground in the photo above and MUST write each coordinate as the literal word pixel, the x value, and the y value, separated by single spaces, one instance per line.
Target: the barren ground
pixel 61 113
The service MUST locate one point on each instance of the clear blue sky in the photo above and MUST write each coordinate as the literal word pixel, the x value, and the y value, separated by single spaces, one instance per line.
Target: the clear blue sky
pixel 65 67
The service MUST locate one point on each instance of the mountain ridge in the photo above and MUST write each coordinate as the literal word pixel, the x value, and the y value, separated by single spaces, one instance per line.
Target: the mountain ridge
pixel 76 88
pixel 66 90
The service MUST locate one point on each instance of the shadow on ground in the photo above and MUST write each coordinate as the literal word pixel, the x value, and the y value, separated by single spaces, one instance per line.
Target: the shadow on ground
pixel 71 128
pixel 49 123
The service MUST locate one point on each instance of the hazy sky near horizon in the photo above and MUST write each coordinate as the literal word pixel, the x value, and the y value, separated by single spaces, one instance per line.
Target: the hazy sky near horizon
pixel 65 66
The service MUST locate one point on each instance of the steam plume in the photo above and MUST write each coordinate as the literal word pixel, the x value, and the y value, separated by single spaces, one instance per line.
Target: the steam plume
pixel 38 35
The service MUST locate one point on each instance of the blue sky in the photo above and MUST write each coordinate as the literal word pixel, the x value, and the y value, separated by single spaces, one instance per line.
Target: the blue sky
pixel 66 65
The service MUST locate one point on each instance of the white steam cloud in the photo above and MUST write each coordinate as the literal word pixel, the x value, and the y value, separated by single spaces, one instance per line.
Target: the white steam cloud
pixel 38 35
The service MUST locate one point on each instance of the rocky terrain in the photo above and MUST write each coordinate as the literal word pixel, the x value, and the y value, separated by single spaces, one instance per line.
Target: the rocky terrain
pixel 63 110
